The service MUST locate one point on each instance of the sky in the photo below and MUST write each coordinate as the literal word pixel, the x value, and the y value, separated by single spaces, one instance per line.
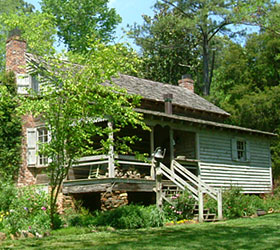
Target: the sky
pixel 130 10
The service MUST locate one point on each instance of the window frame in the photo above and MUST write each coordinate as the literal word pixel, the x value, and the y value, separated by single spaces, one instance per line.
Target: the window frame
pixel 240 148
pixel 42 160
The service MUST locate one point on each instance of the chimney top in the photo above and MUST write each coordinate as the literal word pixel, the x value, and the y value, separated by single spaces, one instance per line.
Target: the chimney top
pixel 15 52
pixel 168 103
pixel 14 34
pixel 187 82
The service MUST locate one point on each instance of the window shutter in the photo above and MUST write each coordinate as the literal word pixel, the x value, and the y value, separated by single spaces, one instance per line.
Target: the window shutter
pixel 31 146
pixel 49 139
pixel 23 83
pixel 248 155
pixel 233 149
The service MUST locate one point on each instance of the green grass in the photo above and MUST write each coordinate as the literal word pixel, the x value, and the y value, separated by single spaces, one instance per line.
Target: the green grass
pixel 258 233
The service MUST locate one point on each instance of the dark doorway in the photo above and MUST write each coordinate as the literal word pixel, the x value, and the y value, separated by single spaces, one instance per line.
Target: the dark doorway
pixel 162 139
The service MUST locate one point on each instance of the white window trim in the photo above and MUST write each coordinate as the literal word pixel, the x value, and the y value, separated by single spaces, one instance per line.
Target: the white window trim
pixel 37 144
pixel 234 150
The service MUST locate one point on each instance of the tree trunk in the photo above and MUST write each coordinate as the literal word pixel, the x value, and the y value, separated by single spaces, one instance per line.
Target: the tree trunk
pixel 206 79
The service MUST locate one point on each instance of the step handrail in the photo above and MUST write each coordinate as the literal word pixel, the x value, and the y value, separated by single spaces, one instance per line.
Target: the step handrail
pixel 194 179
pixel 178 180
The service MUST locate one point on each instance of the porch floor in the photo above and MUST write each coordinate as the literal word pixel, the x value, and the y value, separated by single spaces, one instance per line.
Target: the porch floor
pixel 103 184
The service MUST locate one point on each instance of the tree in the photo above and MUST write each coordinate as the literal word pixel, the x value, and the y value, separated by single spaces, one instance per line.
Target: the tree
pixel 39 42
pixel 10 129
pixel 246 84
pixel 71 98
pixel 203 20
pixel 7 8
pixel 165 57
pixel 80 22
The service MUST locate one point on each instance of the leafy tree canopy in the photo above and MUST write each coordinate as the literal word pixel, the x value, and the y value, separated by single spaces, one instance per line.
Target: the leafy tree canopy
pixel 38 30
pixel 71 99
pixel 80 22
pixel 10 129
pixel 193 29
pixel 8 8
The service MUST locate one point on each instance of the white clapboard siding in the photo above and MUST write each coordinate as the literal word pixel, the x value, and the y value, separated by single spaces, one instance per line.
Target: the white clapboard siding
pixel 24 83
pixel 219 167
pixel 31 146
pixel 250 179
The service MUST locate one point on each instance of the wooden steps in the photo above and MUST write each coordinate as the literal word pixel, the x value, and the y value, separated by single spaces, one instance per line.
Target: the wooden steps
pixel 169 190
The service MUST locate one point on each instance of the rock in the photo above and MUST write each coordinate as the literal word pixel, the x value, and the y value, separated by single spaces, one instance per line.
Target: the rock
pixel 12 237
pixel 39 235
pixel 46 234
pixel 2 236
pixel 30 235
pixel 110 229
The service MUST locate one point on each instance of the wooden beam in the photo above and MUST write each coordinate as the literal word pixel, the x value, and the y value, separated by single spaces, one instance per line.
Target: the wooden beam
pixel 111 164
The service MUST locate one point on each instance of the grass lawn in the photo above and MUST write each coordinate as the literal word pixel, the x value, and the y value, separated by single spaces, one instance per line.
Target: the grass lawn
pixel 258 233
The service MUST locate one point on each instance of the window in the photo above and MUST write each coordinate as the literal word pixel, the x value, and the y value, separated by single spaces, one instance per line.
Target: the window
pixel 42 138
pixel 240 150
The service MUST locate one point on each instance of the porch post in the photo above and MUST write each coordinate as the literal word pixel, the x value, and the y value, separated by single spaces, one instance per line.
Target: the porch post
pixel 200 203
pixel 220 205
pixel 171 142
pixel 111 164
pixel 158 185
pixel 152 148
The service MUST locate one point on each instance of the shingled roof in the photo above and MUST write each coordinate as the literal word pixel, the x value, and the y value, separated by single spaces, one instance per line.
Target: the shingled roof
pixel 151 90
pixel 154 91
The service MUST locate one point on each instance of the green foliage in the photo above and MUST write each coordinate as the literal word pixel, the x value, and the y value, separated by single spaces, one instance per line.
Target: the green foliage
pixel 130 217
pixel 70 100
pixel 10 129
pixel 125 217
pixel 236 204
pixel 39 42
pixel 246 84
pixel 7 8
pixel 81 22
pixel 182 37
pixel 7 195
pixel 182 207
pixel 28 211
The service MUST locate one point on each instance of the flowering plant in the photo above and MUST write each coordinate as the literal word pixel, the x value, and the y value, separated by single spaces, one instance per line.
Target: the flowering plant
pixel 28 211
pixel 181 208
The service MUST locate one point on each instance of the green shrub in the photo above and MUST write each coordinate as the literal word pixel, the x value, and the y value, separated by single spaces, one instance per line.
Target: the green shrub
pixel 28 211
pixel 236 204
pixel 8 193
pixel 182 207
pixel 125 217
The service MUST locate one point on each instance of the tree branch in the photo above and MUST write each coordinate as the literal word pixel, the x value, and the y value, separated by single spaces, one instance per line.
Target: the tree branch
pixel 217 30
pixel 176 7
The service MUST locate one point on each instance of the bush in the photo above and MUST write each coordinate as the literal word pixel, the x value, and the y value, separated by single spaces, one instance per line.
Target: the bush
pixel 8 193
pixel 131 217
pixel 236 204
pixel 28 211
pixel 182 207
pixel 125 217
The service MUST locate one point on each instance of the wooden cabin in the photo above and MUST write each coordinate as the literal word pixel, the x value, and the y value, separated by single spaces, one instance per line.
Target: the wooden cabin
pixel 191 129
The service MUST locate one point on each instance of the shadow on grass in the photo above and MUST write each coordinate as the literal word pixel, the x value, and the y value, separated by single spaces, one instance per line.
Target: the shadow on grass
pixel 245 235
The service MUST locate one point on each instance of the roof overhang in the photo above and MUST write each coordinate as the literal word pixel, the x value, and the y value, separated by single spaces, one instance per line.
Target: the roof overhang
pixel 205 123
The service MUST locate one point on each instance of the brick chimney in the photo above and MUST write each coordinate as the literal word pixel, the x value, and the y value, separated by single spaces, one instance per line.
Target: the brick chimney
pixel 187 82
pixel 168 103
pixel 15 52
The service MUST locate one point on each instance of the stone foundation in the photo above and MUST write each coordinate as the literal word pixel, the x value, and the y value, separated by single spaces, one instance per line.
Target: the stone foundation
pixel 113 199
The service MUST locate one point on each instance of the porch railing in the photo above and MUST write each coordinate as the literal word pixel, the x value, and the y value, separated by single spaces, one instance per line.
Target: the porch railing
pixel 121 166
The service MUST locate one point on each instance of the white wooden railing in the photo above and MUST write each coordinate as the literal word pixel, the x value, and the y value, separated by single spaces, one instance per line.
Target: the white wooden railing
pixel 184 179
pixel 93 163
